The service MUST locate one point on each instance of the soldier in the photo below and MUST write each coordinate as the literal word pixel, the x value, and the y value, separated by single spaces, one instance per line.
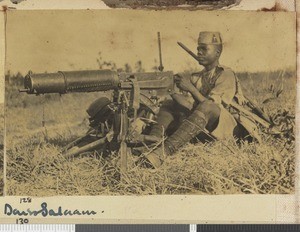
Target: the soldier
pixel 211 89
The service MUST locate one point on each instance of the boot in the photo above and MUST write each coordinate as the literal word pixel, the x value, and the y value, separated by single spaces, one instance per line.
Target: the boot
pixel 189 128
pixel 164 119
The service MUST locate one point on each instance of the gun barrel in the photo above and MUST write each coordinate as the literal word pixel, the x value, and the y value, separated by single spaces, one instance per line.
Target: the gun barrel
pixel 188 50
pixel 73 81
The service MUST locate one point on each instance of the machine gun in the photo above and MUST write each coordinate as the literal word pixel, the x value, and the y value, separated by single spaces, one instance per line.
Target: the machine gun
pixel 119 123
pixel 136 98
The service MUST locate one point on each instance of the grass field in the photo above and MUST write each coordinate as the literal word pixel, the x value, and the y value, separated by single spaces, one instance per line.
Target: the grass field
pixel 38 127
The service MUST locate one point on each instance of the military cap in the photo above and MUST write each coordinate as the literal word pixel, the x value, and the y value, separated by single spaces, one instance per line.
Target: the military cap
pixel 209 37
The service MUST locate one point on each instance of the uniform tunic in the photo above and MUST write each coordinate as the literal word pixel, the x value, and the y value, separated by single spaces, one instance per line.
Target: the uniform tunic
pixel 219 85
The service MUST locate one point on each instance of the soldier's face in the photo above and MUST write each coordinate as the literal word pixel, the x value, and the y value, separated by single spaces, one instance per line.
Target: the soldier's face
pixel 208 54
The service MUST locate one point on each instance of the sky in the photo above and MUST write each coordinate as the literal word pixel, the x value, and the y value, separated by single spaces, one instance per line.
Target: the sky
pixel 71 40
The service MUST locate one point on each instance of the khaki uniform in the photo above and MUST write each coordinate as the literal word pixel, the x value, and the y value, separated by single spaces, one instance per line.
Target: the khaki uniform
pixel 219 85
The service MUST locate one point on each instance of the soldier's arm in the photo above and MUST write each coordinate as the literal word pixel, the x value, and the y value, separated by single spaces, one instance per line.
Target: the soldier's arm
pixel 186 84
pixel 239 93
pixel 198 97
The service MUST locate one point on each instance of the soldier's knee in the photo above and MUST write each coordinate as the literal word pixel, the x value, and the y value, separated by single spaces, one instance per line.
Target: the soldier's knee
pixel 209 108
pixel 198 114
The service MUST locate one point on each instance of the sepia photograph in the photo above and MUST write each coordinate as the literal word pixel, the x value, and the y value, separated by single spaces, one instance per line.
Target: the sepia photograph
pixel 132 4
pixel 183 4
pixel 253 5
pixel 150 103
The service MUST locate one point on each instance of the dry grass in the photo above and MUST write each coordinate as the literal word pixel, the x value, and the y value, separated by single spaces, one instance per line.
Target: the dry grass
pixel 36 167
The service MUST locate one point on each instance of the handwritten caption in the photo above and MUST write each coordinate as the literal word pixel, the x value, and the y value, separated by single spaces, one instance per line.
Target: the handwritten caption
pixel 44 210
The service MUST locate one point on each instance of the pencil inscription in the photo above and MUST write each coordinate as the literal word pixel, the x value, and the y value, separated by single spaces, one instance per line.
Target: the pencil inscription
pixel 45 211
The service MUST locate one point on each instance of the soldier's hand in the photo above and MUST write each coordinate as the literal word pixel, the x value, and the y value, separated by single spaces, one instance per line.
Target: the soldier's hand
pixel 183 83
pixel 241 99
